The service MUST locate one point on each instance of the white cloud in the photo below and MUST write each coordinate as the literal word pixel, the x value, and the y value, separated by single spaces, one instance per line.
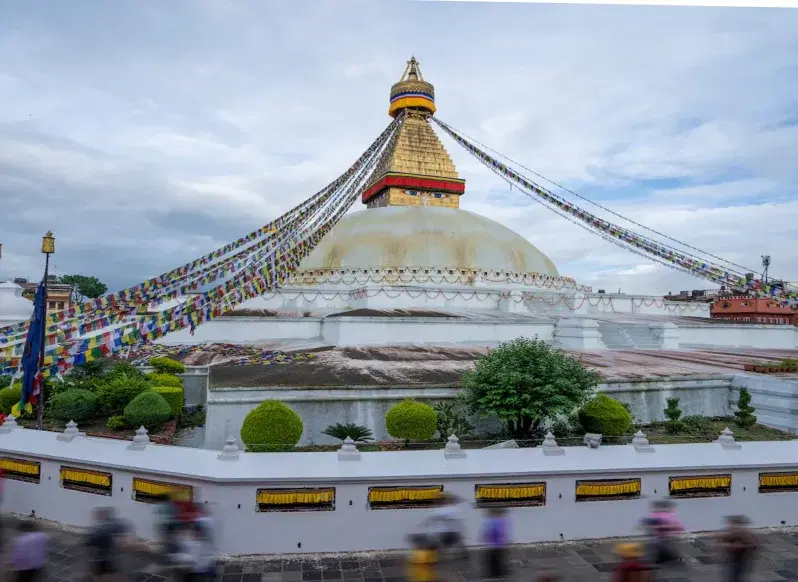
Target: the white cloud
pixel 683 120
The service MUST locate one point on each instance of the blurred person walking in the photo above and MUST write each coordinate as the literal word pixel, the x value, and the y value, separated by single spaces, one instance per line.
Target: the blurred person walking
pixel 104 544
pixel 423 560
pixel 664 525
pixel 446 525
pixel 739 546
pixel 496 536
pixel 632 566
pixel 29 553
pixel 195 558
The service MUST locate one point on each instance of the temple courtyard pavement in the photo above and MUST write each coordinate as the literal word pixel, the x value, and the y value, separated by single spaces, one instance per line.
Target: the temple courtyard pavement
pixel 573 561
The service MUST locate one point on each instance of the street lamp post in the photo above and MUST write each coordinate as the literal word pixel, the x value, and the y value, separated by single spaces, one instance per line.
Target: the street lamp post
pixel 48 248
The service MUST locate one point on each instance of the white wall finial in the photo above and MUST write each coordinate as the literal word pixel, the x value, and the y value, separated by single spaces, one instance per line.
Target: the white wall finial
pixel 70 432
pixel 230 451
pixel 9 424
pixel 641 444
pixel 726 440
pixel 592 440
pixel 140 441
pixel 453 450
pixel 348 451
pixel 550 447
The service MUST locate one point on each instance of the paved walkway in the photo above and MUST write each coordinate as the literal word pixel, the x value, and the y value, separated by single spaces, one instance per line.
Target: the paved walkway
pixel 575 562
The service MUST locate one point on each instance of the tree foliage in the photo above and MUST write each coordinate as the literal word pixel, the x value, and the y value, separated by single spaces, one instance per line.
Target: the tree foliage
pixel 673 413
pixel 525 382
pixel 745 412
pixel 84 287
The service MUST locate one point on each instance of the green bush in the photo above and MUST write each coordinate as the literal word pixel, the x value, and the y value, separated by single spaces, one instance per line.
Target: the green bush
pixel 77 405
pixel 358 433
pixel 167 366
pixel 605 415
pixel 745 412
pixel 412 421
pixel 123 369
pixel 116 394
pixel 173 397
pixel 673 413
pixel 451 419
pixel 116 423
pixel 165 380
pixel 9 397
pixel 270 427
pixel 5 381
pixel 148 409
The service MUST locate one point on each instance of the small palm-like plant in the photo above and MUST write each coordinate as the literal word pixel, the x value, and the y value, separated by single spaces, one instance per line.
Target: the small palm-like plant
pixel 359 434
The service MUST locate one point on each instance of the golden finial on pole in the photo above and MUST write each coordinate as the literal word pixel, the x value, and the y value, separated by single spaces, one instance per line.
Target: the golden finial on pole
pixel 48 243
pixel 48 248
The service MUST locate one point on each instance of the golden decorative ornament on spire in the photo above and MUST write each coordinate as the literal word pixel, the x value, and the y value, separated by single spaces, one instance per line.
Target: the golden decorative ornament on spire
pixel 48 243
pixel 412 92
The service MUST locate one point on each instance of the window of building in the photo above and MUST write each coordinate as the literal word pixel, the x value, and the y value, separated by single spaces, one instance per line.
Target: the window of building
pixel 608 489
pixel 510 495
pixel 700 486
pixel 404 497
pixel 19 470
pixel 95 482
pixel 146 491
pixel 291 500
pixel 778 482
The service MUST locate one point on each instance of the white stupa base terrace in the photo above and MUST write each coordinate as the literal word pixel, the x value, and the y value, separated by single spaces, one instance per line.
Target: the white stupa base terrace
pixel 457 314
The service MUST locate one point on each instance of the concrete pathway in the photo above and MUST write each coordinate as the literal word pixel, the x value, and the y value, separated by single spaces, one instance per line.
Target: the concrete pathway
pixel 579 561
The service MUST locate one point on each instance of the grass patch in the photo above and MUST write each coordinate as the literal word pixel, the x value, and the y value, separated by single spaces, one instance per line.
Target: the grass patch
pixel 698 429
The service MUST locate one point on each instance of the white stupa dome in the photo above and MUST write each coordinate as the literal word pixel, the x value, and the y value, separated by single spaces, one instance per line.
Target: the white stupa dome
pixel 14 307
pixel 425 237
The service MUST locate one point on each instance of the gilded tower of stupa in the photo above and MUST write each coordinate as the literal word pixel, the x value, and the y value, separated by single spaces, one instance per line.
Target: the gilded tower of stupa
pixel 418 171
pixel 413 230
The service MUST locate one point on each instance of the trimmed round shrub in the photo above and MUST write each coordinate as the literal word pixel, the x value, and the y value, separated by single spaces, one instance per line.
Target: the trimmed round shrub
pixel 164 365
pixel 116 423
pixel 173 397
pixel 165 380
pixel 9 397
pixel 148 409
pixel 412 420
pixel 120 392
pixel 77 405
pixel 605 415
pixel 271 427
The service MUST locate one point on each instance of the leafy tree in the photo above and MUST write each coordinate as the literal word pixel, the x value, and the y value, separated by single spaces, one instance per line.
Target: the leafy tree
pixel 525 382
pixel 358 433
pixel 745 412
pixel 84 287
pixel 673 413
pixel 452 420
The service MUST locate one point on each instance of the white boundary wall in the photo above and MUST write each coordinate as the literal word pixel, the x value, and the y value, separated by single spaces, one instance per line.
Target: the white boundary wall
pixel 230 487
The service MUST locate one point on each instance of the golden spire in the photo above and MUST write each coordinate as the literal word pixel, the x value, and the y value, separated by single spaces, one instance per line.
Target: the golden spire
pixel 412 91
pixel 417 170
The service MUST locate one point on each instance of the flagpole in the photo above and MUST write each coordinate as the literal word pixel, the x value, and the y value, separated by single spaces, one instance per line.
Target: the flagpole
pixel 48 248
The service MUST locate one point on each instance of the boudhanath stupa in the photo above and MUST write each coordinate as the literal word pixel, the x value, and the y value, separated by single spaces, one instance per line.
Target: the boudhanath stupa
pixel 398 300
pixel 415 268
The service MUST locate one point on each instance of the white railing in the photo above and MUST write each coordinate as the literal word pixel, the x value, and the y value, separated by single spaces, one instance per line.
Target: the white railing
pixel 235 484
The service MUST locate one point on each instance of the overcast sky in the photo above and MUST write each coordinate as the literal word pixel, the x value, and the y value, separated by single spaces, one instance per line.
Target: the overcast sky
pixel 146 133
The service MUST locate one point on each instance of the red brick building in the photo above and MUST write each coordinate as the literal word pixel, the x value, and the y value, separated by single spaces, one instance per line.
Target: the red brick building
pixel 753 310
